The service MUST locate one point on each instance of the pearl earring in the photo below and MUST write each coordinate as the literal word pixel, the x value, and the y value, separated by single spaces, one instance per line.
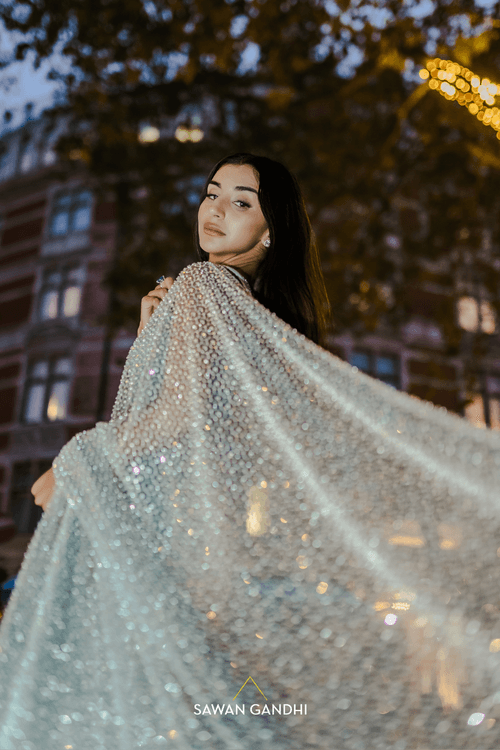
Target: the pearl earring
pixel 267 243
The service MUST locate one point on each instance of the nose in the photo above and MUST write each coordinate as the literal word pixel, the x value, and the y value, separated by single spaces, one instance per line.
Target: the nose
pixel 215 211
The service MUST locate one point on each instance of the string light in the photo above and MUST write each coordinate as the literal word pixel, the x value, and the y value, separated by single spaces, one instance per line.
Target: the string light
pixel 184 134
pixel 457 83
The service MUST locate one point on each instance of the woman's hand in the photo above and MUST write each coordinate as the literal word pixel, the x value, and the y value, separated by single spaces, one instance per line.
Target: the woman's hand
pixel 43 489
pixel 150 302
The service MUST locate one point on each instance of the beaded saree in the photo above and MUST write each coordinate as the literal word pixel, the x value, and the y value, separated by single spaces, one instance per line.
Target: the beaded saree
pixel 262 548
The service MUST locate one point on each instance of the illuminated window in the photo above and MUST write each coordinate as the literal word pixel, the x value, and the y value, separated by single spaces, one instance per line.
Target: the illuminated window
pixel 474 410
pixel 494 413
pixel 71 212
pixel 472 315
pixel 483 410
pixel 47 390
pixel 385 367
pixel 61 293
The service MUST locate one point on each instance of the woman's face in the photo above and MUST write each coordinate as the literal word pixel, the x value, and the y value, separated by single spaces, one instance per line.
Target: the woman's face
pixel 231 225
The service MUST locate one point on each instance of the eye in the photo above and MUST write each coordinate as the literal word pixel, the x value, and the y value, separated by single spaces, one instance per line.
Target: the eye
pixel 247 205
pixel 211 195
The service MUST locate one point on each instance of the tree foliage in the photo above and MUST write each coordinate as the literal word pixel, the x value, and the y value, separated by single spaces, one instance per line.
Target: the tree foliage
pixel 360 138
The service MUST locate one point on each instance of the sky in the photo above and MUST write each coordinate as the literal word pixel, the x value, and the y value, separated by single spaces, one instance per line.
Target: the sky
pixel 20 83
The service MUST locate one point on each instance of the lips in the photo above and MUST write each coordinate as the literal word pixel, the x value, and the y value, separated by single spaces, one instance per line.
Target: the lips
pixel 213 229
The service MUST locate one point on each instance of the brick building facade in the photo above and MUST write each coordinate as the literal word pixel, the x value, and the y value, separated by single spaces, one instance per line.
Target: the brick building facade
pixel 56 244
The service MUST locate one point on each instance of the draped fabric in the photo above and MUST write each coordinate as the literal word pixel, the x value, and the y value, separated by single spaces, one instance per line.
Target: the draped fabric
pixel 258 527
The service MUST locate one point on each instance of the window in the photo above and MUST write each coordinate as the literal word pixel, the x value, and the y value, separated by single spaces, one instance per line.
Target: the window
pixel 384 367
pixel 473 315
pixel 483 410
pixel 27 154
pixel 47 390
pixel 71 212
pixel 61 293
pixel 49 138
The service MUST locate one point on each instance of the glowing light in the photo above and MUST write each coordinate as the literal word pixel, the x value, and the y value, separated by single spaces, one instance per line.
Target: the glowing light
pixel 322 587
pixel 148 134
pixel 258 520
pixel 472 316
pixel 495 646
pixel 475 719
pixel 390 619
pixel 71 303
pixel 211 615
pixel 184 134
pixel 56 408
pixel 467 89
pixel 450 536
pixel 408 596
pixel 407 541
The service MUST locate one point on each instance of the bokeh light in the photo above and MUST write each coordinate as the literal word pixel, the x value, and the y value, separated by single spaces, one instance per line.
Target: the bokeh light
pixel 457 83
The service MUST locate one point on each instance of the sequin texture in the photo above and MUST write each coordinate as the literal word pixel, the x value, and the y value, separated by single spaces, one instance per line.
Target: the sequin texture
pixel 257 507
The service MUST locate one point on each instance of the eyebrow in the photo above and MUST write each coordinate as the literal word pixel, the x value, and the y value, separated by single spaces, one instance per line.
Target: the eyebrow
pixel 238 187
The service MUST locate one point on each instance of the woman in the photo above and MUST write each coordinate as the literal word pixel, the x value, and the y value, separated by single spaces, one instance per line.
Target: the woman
pixel 263 545
pixel 246 200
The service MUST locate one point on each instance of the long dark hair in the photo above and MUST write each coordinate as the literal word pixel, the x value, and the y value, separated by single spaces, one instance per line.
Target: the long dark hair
pixel 288 280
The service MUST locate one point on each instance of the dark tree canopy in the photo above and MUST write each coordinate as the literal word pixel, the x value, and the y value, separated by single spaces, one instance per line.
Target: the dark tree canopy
pixel 358 136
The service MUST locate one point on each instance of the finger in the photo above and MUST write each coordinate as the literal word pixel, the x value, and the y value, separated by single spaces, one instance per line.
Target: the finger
pixel 151 298
pixel 151 302
pixel 166 283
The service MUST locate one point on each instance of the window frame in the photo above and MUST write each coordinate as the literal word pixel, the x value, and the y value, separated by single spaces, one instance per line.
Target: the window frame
pixel 75 203
pixel 25 146
pixel 372 356
pixel 60 288
pixel 486 398
pixel 48 382
pixel 484 311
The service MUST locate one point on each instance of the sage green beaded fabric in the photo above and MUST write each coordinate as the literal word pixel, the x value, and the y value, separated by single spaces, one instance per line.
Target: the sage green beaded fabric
pixel 257 508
